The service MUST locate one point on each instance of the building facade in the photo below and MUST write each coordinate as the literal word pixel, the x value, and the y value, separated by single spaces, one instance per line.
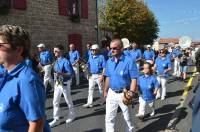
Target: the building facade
pixel 53 21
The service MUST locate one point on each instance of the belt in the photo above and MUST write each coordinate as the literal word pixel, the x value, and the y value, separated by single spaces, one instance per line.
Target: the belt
pixel 121 90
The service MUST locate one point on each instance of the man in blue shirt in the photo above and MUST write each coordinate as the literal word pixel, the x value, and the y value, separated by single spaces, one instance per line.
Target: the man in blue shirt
pixel 88 52
pixel 96 64
pixel 126 46
pixel 22 95
pixel 121 73
pixel 149 55
pixel 74 58
pixel 136 54
pixel 46 60
pixel 62 76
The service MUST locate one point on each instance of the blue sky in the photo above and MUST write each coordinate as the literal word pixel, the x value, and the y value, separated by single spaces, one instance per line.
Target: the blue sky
pixel 177 17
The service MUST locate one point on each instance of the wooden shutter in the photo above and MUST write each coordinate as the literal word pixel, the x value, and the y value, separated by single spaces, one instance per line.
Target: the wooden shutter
pixel 62 7
pixel 84 9
pixel 20 4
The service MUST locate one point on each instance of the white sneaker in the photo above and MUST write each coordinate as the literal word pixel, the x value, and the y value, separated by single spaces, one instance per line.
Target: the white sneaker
pixel 139 115
pixel 69 120
pixel 55 122
pixel 157 97
pixel 162 98
pixel 152 113
pixel 88 105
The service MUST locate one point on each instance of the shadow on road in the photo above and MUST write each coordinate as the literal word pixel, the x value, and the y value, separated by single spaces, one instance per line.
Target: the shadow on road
pixel 95 130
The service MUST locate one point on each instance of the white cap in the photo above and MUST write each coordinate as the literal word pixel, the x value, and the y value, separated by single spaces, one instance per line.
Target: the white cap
pixel 148 46
pixel 95 46
pixel 40 45
pixel 126 43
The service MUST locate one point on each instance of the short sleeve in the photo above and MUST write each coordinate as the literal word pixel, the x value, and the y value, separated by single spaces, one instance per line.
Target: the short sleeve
pixel 133 70
pixel 107 73
pixel 32 98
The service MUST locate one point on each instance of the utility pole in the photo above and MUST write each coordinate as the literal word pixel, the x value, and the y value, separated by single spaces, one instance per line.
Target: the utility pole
pixel 97 22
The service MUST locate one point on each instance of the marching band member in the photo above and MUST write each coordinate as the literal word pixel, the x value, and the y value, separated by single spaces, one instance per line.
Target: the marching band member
pixel 46 60
pixel 74 57
pixel 136 54
pixel 22 95
pixel 147 86
pixel 162 66
pixel 149 55
pixel 96 66
pixel 177 57
pixel 62 76
pixel 121 73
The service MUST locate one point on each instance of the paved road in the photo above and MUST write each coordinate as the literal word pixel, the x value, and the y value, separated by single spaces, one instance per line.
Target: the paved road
pixel 92 119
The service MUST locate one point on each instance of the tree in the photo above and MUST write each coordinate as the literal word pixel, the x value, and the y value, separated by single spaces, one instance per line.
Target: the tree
pixel 130 19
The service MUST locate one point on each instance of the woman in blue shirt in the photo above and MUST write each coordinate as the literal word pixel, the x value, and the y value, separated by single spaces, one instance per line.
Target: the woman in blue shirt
pixel 22 95
pixel 162 67
pixel 148 87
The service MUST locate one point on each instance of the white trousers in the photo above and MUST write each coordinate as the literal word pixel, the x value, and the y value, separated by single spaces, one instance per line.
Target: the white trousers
pixel 142 105
pixel 177 68
pixel 94 79
pixel 58 91
pixel 76 70
pixel 114 100
pixel 162 81
pixel 47 76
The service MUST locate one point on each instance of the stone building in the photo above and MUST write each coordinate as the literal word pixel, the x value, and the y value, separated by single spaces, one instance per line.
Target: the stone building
pixel 53 21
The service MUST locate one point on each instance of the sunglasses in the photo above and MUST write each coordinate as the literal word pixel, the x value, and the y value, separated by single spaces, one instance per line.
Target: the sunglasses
pixel 115 48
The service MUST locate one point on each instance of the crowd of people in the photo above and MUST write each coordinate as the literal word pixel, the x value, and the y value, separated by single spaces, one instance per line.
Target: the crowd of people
pixel 121 67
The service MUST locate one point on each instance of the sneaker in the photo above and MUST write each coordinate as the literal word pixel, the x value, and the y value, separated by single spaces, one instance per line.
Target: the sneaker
pixel 69 120
pixel 162 98
pixel 88 105
pixel 55 122
pixel 152 113
pixel 157 97
pixel 139 115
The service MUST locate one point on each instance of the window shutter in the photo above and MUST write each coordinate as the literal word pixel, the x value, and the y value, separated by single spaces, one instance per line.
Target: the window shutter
pixel 84 9
pixel 20 4
pixel 62 7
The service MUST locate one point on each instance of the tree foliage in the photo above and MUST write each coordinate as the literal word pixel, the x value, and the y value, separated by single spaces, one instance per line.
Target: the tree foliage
pixel 130 19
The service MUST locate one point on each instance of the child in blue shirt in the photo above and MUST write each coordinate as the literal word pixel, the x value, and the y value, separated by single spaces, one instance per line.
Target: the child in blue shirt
pixel 148 87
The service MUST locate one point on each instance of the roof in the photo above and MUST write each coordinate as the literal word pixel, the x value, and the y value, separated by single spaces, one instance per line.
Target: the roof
pixel 168 40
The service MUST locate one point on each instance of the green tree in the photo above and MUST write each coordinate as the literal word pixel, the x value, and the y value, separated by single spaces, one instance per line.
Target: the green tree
pixel 130 19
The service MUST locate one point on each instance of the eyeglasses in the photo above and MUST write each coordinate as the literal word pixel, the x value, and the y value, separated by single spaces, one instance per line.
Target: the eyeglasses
pixel 3 47
pixel 115 48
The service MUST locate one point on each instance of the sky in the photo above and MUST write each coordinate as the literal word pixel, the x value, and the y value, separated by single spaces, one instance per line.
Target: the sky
pixel 177 18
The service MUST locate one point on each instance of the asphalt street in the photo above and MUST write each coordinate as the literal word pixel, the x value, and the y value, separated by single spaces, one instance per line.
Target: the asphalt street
pixel 93 119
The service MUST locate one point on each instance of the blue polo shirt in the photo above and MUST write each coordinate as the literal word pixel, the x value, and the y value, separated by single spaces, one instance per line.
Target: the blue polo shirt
pixel 73 56
pixel 88 53
pixel 121 73
pixel 176 53
pixel 2 73
pixel 149 55
pixel 46 58
pixel 63 65
pixel 22 99
pixel 107 54
pixel 147 85
pixel 126 52
pixel 29 62
pixel 96 64
pixel 135 54
pixel 169 55
pixel 162 64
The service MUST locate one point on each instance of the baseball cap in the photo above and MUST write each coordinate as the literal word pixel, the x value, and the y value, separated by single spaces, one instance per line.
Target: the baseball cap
pixel 40 45
pixel 126 43
pixel 95 46
pixel 148 46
